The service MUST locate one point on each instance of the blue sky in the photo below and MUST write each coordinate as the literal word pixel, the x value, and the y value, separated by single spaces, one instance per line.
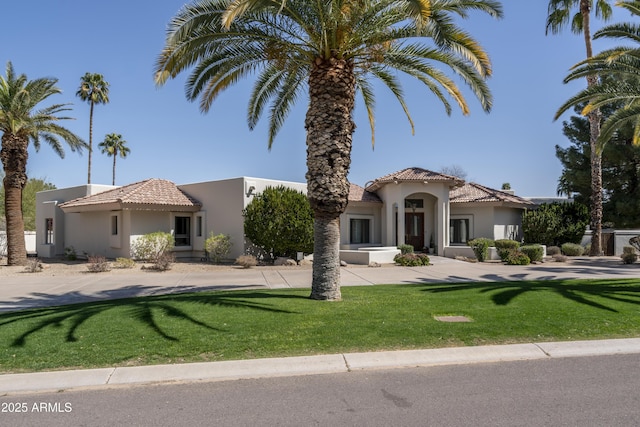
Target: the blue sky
pixel 169 137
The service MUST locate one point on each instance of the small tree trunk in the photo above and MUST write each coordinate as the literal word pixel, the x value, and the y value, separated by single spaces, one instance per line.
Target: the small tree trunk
pixel 113 176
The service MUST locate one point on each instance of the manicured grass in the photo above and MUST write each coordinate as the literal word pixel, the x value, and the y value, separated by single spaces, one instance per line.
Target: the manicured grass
pixel 252 324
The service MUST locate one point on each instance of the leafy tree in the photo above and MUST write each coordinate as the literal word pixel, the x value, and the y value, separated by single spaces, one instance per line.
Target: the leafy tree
pixel 559 16
pixel 280 221
pixel 113 145
pixel 23 121
pixel 334 49
pixel 34 185
pixel 620 170
pixel 554 224
pixel 94 90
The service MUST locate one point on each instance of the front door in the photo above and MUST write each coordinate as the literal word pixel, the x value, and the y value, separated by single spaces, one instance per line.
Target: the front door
pixel 414 229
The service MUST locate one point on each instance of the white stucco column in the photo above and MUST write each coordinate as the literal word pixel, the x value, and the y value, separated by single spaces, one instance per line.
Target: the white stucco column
pixel 443 225
pixel 387 229
pixel 401 226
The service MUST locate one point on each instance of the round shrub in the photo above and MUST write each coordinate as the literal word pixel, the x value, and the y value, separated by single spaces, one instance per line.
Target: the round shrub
pixel 505 247
pixel 518 258
pixel 572 249
pixel 412 259
pixel 534 252
pixel 553 250
pixel 406 249
pixel 480 247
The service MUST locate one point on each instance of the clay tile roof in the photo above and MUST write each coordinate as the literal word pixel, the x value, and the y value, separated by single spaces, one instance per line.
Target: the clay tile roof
pixel 476 193
pixel 149 194
pixel 359 194
pixel 414 174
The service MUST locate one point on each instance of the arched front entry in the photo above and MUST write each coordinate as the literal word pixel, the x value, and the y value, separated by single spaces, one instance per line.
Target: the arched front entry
pixel 418 226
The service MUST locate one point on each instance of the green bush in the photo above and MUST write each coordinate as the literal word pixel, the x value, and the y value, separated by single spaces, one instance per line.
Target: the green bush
pixel 218 246
pixel 518 258
pixel 572 249
pixel 70 253
pixel 534 252
pixel 406 249
pixel 553 250
pixel 412 259
pixel 555 223
pixel 629 255
pixel 280 222
pixel 152 246
pixel 505 247
pixel 480 247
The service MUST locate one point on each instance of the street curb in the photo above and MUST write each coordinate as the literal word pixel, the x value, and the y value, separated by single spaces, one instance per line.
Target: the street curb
pixel 306 365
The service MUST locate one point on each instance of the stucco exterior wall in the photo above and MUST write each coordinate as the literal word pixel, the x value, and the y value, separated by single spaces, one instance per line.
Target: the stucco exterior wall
pixel 493 222
pixel 47 207
pixel 482 219
pixel 507 223
pixel 222 205
pixel 371 211
pixel 88 233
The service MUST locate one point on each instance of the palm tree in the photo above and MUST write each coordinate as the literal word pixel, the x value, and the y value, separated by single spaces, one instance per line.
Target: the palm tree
pixel 94 90
pixel 619 86
pixel 559 16
pixel 333 49
pixel 20 124
pixel 114 145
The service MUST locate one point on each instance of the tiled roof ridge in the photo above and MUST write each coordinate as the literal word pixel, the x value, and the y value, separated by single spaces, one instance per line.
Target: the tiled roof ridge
pixel 149 191
pixel 360 194
pixel 489 193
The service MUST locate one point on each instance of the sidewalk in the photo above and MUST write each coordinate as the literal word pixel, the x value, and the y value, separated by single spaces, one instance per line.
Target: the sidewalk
pixel 30 290
pixel 309 365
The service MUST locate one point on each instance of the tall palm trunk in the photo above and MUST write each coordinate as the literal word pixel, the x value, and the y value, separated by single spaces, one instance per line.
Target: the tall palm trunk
pixel 90 142
pixel 594 132
pixel 113 175
pixel 14 156
pixel 330 127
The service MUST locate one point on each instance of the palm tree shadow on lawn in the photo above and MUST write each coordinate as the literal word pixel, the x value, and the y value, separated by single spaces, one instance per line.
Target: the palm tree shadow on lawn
pixel 142 310
pixel 503 293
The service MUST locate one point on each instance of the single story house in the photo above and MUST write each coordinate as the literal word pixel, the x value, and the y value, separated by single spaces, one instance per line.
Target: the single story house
pixel 414 206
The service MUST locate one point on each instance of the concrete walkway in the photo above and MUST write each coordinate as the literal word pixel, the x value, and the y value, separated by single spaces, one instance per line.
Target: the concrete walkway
pixel 30 290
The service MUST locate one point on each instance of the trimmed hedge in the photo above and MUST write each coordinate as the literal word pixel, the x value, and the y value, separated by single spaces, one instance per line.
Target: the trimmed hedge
pixel 534 252
pixel 505 247
pixel 480 247
pixel 406 249
pixel 572 249
pixel 518 258
pixel 412 259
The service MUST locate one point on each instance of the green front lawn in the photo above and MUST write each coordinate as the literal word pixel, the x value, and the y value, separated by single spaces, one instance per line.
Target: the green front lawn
pixel 212 326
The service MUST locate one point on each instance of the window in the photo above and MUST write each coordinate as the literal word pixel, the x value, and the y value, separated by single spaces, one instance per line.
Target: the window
pixel 114 225
pixel 459 230
pixel 48 234
pixel 183 231
pixel 199 226
pixel 413 203
pixel 359 230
